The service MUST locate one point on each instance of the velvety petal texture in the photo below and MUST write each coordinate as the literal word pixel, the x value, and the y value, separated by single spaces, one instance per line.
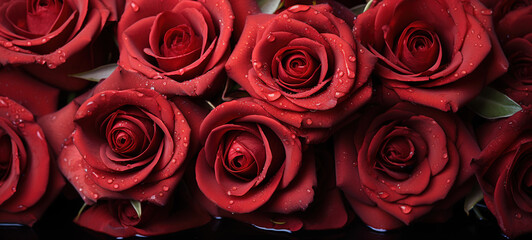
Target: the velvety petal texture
pixel 118 218
pixel 253 169
pixel 48 36
pixel 396 166
pixel 304 62
pixel 181 43
pixel 504 170
pixel 29 180
pixel 129 144
pixel 438 53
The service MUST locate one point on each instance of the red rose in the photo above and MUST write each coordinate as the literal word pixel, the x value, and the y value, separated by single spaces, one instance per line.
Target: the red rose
pixel 503 7
pixel 504 171
pixel 252 168
pixel 30 179
pixel 439 53
pixel 179 46
pixel 118 218
pixel 130 144
pixel 305 62
pixel 51 38
pixel 399 165
pixel 517 38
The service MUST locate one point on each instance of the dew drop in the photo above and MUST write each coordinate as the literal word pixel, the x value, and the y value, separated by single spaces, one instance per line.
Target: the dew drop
pixel 270 38
pixel 134 7
pixel 299 8
pixel 8 44
pixel 406 209
pixel 166 188
pixel 309 121
pixel 445 155
pixel 352 58
pixel 383 195
pixel 115 186
pixel 231 201
pixel 109 181
pixel 95 195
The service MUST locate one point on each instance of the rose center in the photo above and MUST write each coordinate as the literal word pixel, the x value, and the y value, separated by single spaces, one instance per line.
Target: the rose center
pixel 244 155
pixel 179 40
pixel 41 15
pixel 397 154
pixel 295 68
pixel 128 133
pixel 418 47
pixel 127 214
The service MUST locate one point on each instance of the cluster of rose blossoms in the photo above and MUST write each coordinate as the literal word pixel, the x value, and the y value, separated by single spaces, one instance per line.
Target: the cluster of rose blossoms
pixel 299 119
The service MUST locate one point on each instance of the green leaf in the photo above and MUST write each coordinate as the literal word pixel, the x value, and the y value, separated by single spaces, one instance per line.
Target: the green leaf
pixel 97 74
pixel 492 104
pixel 473 198
pixel 358 9
pixel 269 6
pixel 368 5
pixel 137 206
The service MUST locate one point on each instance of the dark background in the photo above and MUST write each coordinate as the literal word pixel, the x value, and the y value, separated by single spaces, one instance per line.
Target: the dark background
pixel 57 224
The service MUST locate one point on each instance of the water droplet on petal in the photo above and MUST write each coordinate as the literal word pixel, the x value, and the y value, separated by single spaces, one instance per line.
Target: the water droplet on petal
pixel 299 8
pixel 115 186
pixel 231 201
pixel 166 188
pixel 352 58
pixel 134 7
pixel 270 38
pixel 405 209
pixel 383 195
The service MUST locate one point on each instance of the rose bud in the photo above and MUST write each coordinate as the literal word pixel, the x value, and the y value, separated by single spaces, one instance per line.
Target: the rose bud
pixel 119 218
pixel 398 166
pixel 435 53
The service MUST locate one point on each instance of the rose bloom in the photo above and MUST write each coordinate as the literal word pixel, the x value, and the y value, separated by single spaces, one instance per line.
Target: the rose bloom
pixel 129 144
pixel 504 171
pixel 517 45
pixel 438 53
pixel 306 64
pixel 253 169
pixel 52 38
pixel 402 164
pixel 118 218
pixel 30 180
pixel 180 46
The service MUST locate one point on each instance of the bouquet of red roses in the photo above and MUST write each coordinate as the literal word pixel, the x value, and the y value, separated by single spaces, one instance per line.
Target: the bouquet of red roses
pixel 163 114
